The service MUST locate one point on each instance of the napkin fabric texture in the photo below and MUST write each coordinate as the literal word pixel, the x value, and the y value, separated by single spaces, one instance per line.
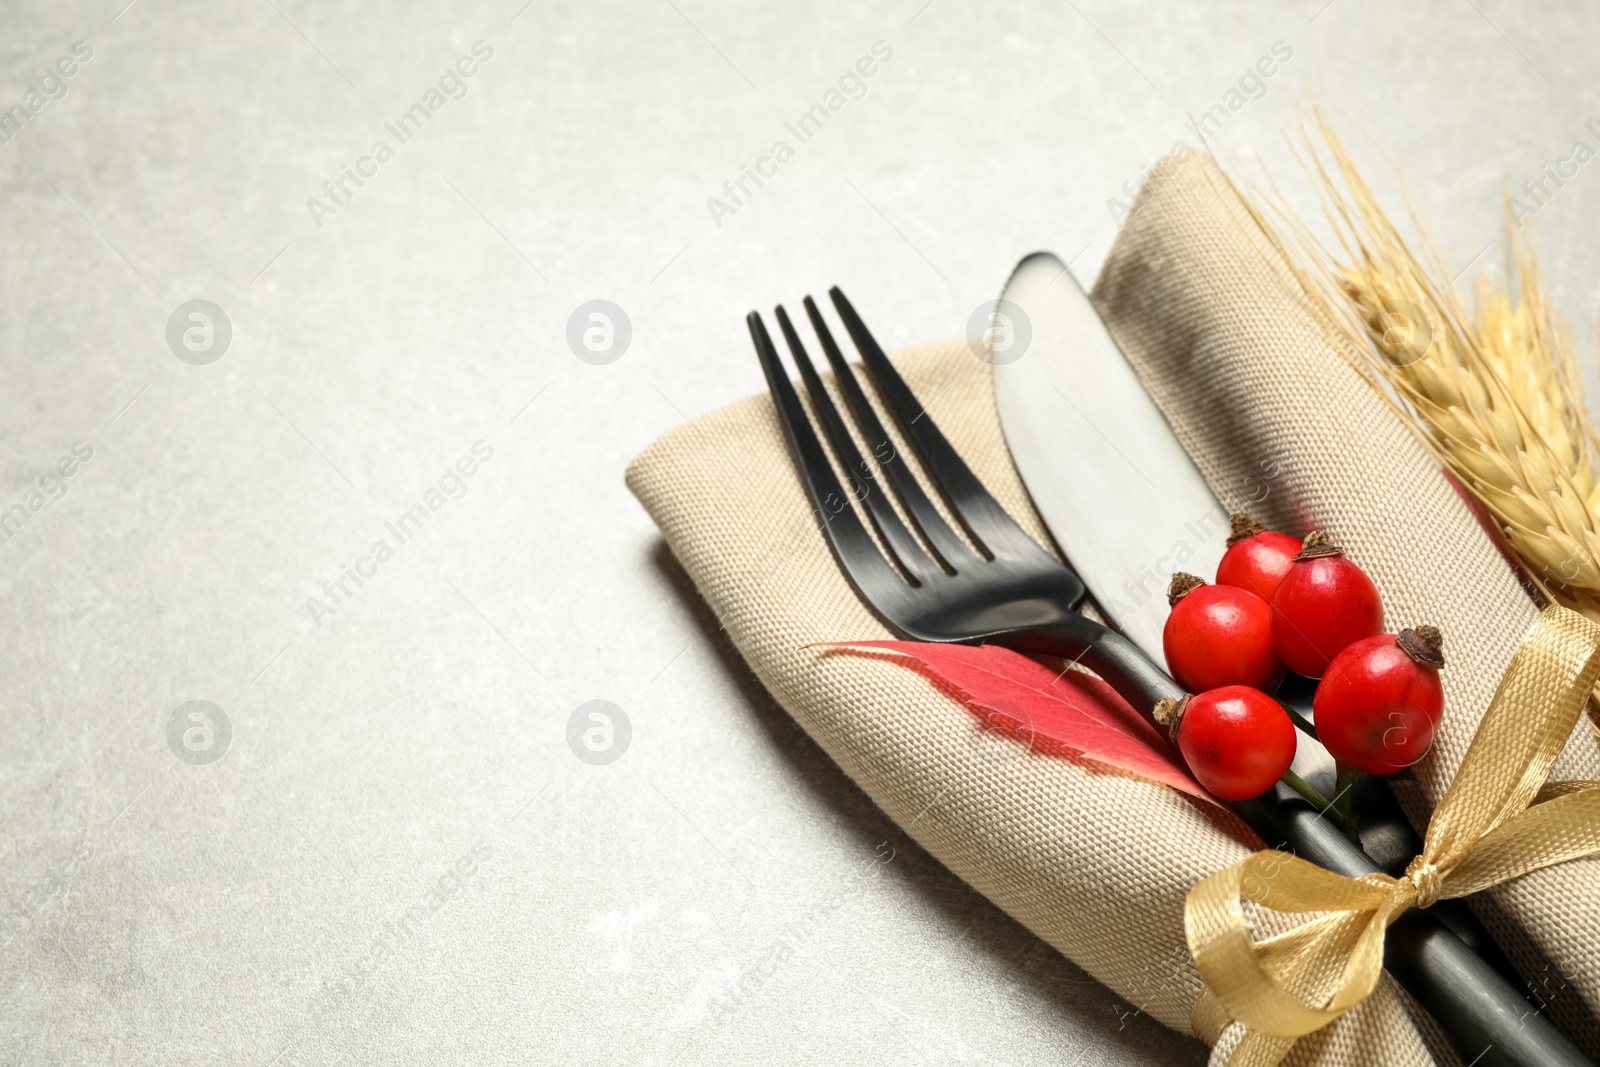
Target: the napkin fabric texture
pixel 1097 864
pixel 1275 418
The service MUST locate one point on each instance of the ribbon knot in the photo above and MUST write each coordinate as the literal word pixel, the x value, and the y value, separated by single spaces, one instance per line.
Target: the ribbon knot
pixel 1497 821
pixel 1426 877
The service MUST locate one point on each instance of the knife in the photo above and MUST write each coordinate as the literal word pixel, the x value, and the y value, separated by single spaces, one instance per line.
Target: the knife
pixel 1118 492
pixel 1127 506
pixel 1087 437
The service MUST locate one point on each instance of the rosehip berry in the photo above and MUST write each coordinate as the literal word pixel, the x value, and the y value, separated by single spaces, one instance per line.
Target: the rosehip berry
pixel 1219 635
pixel 1380 703
pixel 1322 605
pixel 1236 740
pixel 1257 558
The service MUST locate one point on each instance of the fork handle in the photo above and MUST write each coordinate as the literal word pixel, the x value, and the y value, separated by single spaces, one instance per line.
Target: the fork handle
pixel 1135 676
pixel 1486 1017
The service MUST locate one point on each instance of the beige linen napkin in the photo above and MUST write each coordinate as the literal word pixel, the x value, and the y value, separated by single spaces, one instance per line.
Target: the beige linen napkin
pixel 1216 329
pixel 1096 864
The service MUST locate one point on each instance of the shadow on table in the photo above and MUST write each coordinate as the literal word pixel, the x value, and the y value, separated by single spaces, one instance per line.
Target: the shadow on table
pixel 1043 975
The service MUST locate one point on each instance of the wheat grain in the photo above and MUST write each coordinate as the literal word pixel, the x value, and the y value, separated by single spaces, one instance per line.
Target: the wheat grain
pixel 1497 397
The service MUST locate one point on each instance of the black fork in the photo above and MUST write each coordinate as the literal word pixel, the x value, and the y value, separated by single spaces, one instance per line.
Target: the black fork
pixel 997 586
pixel 1008 591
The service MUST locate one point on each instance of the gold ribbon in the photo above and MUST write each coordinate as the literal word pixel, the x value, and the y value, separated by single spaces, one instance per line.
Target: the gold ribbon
pixel 1498 820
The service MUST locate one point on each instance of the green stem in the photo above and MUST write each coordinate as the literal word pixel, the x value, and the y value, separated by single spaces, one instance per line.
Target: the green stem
pixel 1344 807
pixel 1300 720
pixel 1311 793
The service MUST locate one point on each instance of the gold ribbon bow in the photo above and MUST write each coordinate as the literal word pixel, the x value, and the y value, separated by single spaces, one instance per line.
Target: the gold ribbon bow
pixel 1498 820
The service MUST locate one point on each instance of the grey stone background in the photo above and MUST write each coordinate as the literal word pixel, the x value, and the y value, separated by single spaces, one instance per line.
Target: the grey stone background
pixel 397 808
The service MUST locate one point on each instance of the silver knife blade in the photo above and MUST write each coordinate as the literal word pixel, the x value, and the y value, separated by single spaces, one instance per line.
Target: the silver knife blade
pixel 1119 493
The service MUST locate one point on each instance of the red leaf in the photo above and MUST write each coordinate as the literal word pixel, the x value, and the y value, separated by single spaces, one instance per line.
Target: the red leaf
pixel 1066 713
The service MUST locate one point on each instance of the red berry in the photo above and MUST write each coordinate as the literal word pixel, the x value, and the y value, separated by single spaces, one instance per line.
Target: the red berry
pixel 1257 558
pixel 1380 703
pixel 1236 740
pixel 1322 605
pixel 1219 635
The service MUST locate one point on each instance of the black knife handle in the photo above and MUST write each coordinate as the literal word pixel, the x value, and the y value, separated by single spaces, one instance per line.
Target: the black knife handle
pixel 1389 838
pixel 1136 677
pixel 1485 1017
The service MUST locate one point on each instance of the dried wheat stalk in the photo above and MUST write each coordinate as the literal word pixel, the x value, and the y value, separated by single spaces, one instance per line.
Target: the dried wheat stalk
pixel 1496 397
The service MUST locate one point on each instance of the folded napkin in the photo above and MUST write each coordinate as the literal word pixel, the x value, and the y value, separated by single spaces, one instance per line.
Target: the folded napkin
pixel 1218 332
pixel 1096 864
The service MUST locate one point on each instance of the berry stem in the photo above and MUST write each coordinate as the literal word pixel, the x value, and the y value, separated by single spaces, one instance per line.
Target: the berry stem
pixel 1305 724
pixel 1344 806
pixel 1311 793
pixel 1244 527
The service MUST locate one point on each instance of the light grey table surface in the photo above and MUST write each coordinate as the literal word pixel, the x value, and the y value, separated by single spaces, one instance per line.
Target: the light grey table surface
pixel 398 808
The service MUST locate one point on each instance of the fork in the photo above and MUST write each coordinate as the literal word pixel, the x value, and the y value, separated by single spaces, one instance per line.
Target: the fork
pixel 998 586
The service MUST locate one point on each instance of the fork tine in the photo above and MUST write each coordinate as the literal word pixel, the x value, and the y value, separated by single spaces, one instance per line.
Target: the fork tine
pixel 979 512
pixel 950 548
pixel 902 546
pixel 875 579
